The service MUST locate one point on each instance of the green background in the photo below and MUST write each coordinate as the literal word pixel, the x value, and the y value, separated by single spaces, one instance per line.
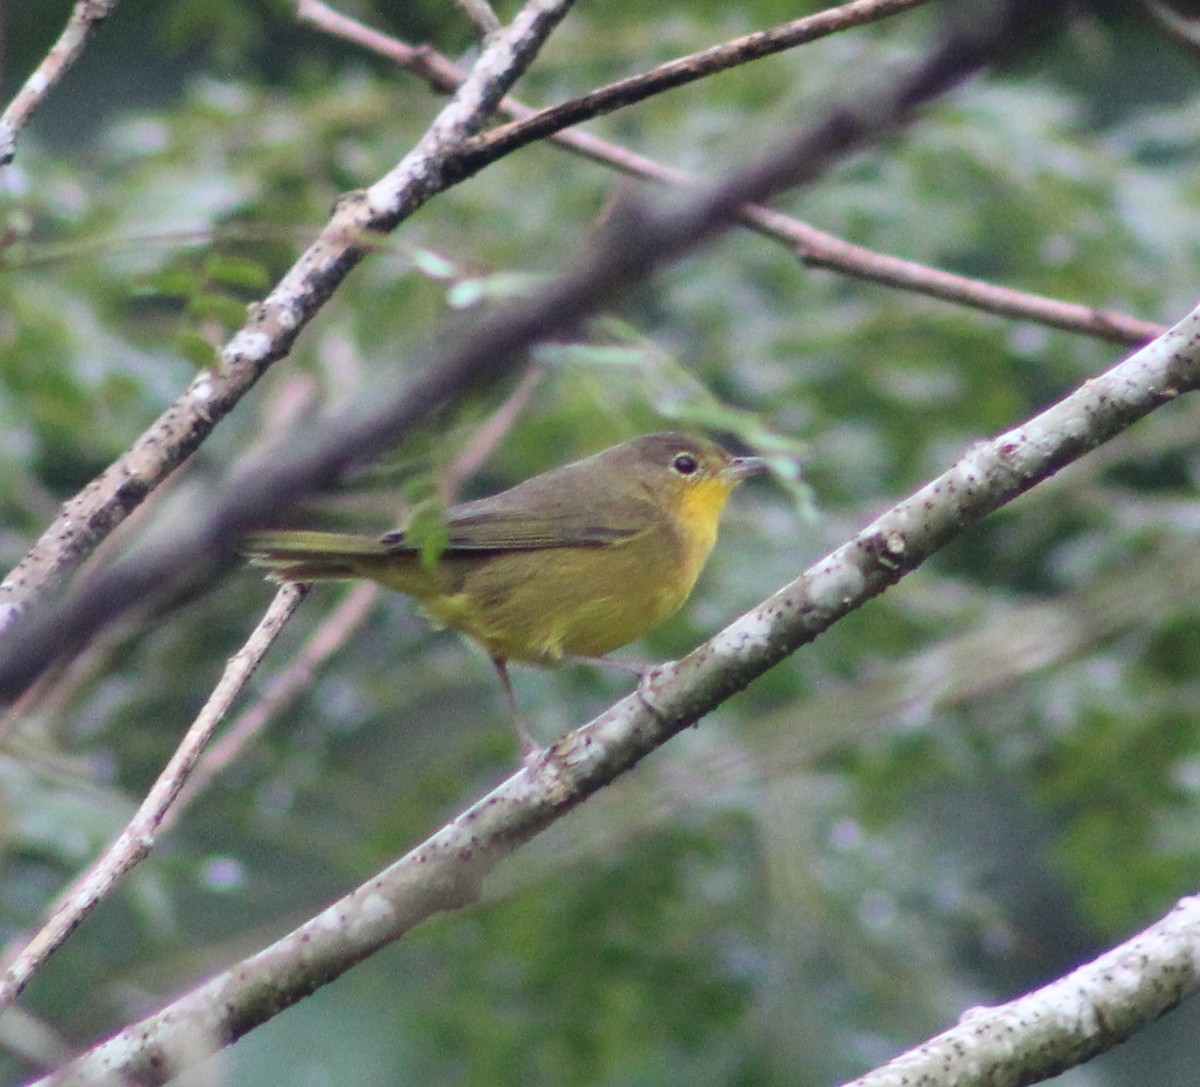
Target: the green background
pixel 980 780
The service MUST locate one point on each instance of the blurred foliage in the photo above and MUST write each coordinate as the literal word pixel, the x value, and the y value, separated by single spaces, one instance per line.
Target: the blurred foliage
pixel 879 833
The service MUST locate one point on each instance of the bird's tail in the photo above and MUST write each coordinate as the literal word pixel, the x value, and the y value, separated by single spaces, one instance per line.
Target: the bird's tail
pixel 314 556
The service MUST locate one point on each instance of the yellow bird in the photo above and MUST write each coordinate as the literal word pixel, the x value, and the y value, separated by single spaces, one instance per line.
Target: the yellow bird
pixel 569 565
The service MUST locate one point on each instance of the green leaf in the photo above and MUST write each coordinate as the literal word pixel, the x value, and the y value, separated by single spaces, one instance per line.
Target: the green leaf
pixel 194 347
pixel 237 272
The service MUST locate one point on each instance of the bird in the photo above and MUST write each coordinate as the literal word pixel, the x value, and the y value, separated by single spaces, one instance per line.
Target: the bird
pixel 568 566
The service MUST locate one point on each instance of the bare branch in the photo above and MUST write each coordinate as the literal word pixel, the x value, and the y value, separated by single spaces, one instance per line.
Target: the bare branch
pixel 487 146
pixel 84 21
pixel 275 323
pixel 814 247
pixel 138 838
pixel 1064 1023
pixel 1184 29
pixel 821 250
pixel 441 73
pixel 481 15
pixel 281 690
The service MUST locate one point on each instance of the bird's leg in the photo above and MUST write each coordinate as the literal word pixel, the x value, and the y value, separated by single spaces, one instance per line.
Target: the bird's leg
pixel 529 746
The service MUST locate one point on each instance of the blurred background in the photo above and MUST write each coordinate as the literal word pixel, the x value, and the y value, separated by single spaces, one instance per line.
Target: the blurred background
pixel 981 779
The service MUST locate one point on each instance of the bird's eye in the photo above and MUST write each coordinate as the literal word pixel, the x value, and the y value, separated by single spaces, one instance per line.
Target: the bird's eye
pixel 685 464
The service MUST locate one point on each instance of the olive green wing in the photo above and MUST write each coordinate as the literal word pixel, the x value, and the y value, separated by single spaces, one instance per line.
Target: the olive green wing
pixel 500 530
pixel 557 509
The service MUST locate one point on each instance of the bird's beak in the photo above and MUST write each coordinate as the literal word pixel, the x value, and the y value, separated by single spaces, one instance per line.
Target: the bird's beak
pixel 745 467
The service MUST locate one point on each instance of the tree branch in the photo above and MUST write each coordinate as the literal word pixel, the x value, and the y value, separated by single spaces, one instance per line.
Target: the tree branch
pixel 84 21
pixel 137 839
pixel 281 690
pixel 276 322
pixel 1064 1023
pixel 487 146
pixel 814 247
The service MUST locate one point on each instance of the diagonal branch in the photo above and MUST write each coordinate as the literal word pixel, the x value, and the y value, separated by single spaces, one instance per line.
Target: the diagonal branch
pixel 282 689
pixel 1065 1023
pixel 85 20
pixel 676 73
pixel 277 321
pixel 137 839
pixel 814 247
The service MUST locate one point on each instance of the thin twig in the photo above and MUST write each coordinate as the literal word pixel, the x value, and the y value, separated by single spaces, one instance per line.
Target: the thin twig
pixel 138 838
pixel 281 691
pixel 434 68
pixel 1185 29
pixel 84 21
pixel 482 17
pixel 676 73
pixel 814 247
pixel 818 249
